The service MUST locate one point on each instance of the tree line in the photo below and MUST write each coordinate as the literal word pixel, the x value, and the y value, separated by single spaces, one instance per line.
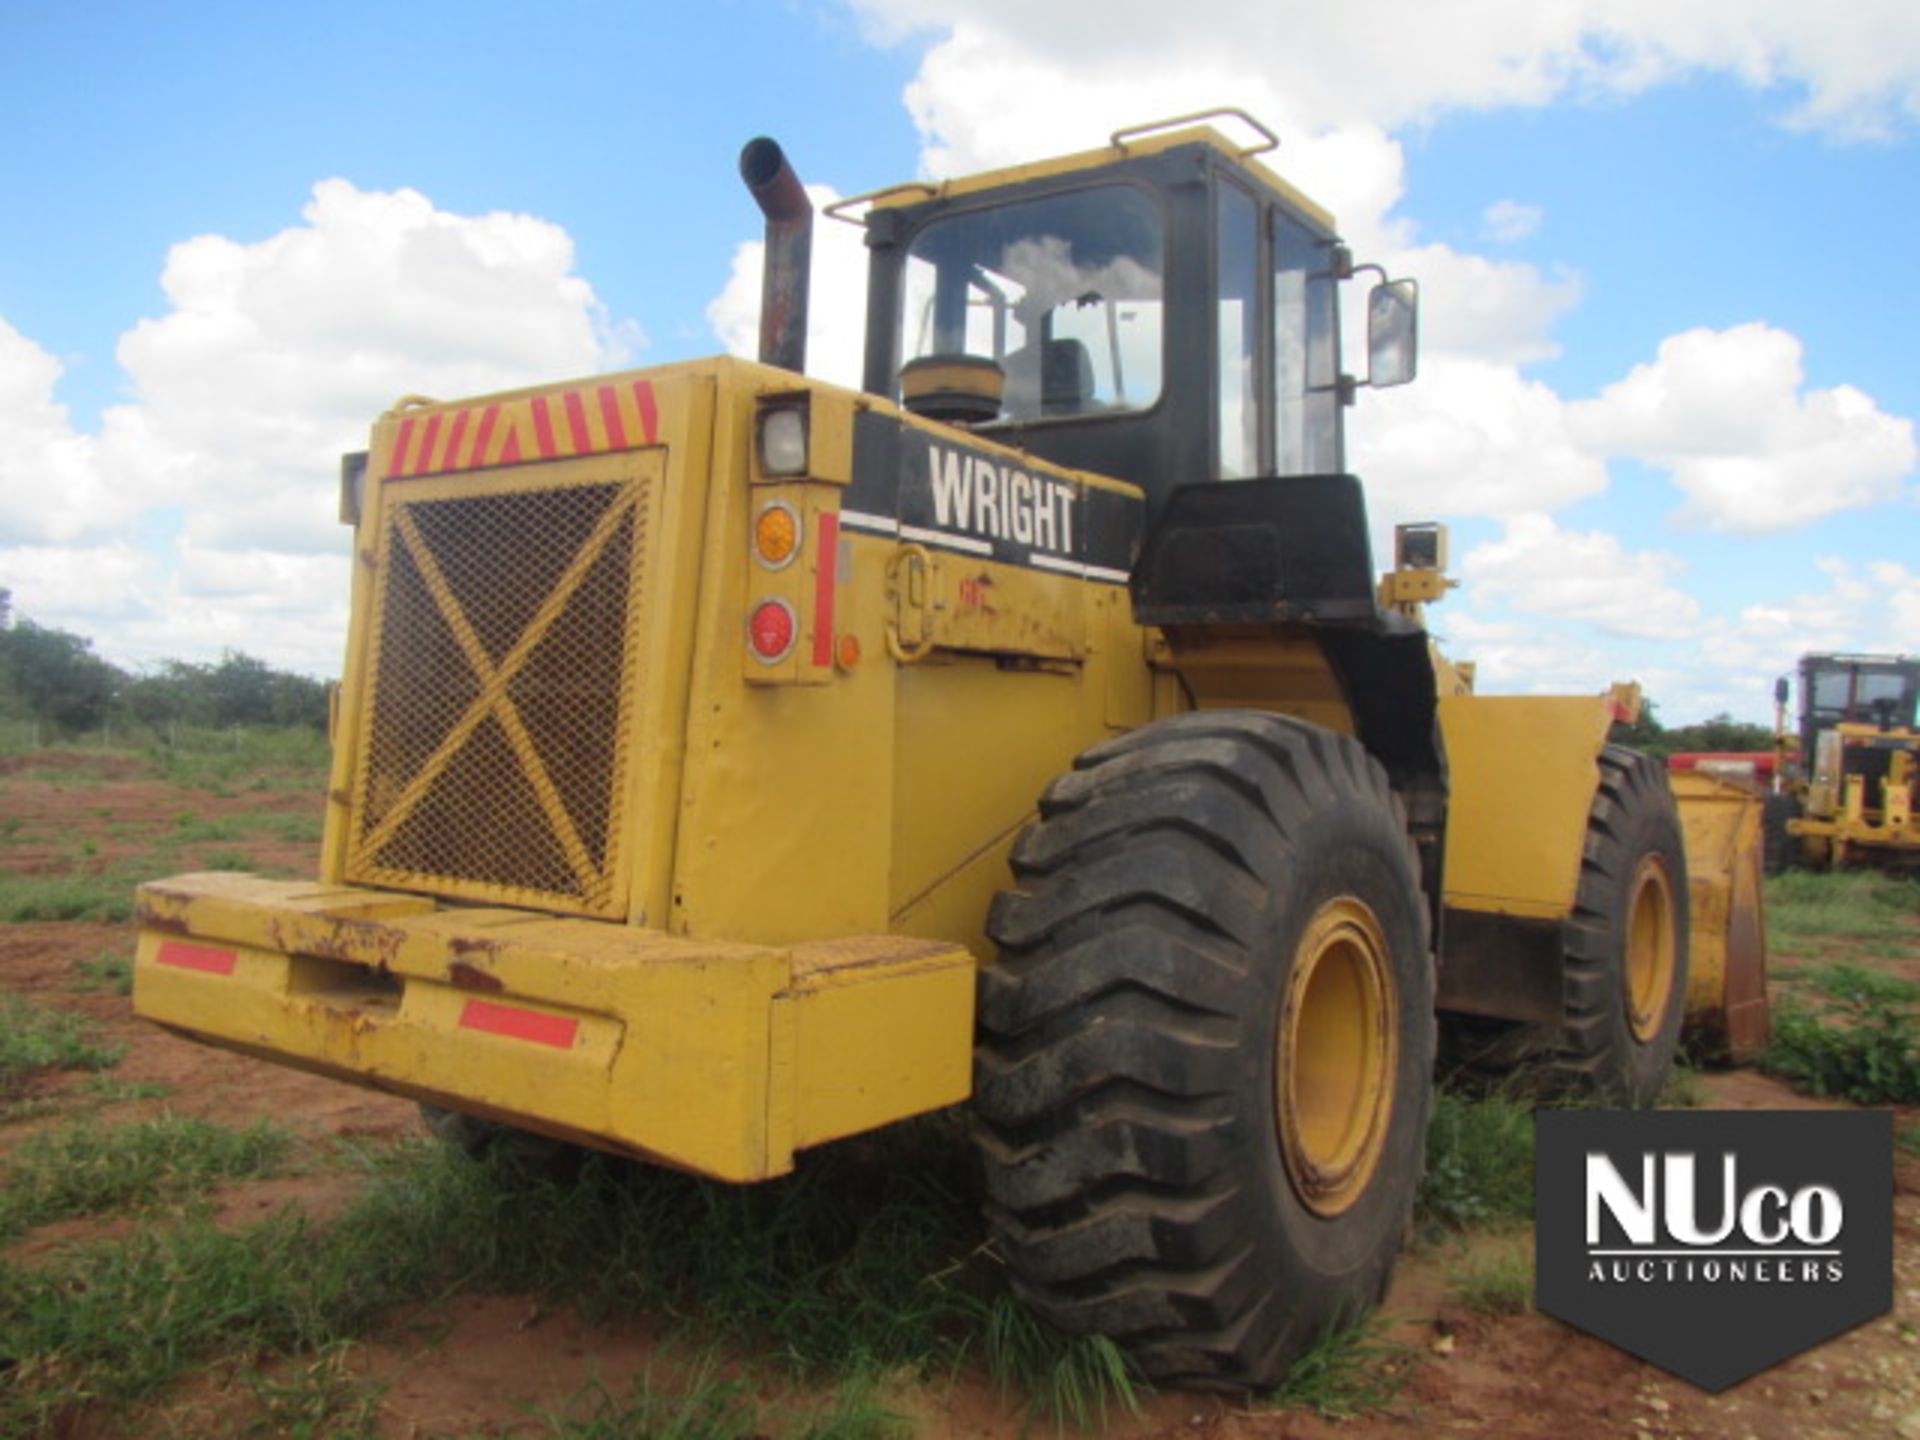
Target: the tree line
pixel 54 679
pixel 1716 734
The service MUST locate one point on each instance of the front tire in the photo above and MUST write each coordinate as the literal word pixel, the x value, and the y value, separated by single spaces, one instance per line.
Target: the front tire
pixel 1205 1060
pixel 1626 944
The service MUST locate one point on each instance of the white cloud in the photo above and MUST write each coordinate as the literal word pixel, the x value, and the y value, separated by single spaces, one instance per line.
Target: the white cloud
pixel 1871 607
pixel 1499 310
pixel 1469 437
pixel 836 305
pixel 1581 575
pixel 50 486
pixel 1853 73
pixel 1511 658
pixel 1726 413
pixel 79 587
pixel 1505 222
pixel 273 358
pixel 277 355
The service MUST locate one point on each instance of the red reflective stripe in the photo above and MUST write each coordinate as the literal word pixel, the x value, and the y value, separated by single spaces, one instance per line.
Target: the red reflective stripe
pixel 518 1024
pixel 577 422
pixel 423 462
pixel 649 415
pixel 456 461
pixel 400 444
pixel 543 427
pixel 488 418
pixel 610 412
pixel 510 452
pixel 825 563
pixel 197 957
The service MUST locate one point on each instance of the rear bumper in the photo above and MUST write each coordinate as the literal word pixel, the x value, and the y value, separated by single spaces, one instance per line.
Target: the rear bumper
pixel 719 1058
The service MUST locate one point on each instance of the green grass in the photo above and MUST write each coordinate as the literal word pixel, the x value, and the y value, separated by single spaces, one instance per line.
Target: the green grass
pixel 1078 1379
pixel 1685 1088
pixel 106 898
pixel 1502 1285
pixel 293 828
pixel 320 1397
pixel 228 762
pixel 1806 906
pixel 1479 1163
pixel 840 1271
pixel 35 1038
pixel 1348 1372
pixel 109 1090
pixel 707 1405
pixel 1864 1048
pixel 110 970
pixel 1853 984
pixel 192 829
pixel 83 1170
pixel 1907 1138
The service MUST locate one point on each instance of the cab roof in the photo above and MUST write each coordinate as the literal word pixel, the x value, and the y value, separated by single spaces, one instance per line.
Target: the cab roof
pixel 1126 145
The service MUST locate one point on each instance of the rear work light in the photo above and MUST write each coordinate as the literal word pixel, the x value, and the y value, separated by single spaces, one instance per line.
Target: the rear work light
pixel 783 440
pixel 772 627
pixel 776 535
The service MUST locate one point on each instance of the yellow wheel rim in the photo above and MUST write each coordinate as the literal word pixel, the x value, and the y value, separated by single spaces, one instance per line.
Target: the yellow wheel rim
pixel 1337 1054
pixel 1650 948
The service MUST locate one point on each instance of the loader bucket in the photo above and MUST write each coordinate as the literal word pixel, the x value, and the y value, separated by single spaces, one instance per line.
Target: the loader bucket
pixel 1727 982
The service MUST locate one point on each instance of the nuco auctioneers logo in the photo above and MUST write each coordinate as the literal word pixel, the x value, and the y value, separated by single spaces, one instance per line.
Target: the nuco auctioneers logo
pixel 1714 1244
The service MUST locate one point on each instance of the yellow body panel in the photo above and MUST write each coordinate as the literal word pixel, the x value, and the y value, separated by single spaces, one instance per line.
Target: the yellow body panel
pixel 1522 777
pixel 719 1058
pixel 774 941
pixel 1277 668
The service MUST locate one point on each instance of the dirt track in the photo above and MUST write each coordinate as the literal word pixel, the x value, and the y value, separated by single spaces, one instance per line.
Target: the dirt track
pixel 479 1364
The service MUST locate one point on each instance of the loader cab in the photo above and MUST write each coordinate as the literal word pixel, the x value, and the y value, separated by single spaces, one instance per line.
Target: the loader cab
pixel 1163 311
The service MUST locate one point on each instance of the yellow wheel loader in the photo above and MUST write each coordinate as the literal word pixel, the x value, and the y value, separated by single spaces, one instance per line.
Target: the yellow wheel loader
pixel 726 762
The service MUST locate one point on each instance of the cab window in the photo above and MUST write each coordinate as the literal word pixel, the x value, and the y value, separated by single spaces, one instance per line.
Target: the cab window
pixel 1064 293
pixel 1305 357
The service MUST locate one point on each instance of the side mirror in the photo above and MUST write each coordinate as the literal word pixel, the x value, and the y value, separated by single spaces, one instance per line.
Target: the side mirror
pixel 1393 326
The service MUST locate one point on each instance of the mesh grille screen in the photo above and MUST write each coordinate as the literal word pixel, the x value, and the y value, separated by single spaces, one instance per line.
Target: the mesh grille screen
pixel 494 748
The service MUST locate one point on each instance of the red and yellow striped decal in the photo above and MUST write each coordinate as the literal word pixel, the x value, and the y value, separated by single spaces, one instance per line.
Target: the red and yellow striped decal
pixel 591 420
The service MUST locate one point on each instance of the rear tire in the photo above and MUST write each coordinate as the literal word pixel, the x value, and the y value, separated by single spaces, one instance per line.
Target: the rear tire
pixel 1779 848
pixel 1205 1061
pixel 1626 943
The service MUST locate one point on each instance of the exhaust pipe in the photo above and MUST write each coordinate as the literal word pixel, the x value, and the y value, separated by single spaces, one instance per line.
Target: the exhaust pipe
pixel 783 282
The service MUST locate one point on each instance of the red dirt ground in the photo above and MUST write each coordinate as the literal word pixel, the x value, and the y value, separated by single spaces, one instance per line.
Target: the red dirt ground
pixel 480 1365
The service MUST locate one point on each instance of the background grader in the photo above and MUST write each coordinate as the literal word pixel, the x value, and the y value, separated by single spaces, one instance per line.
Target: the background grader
pixel 1850 790
pixel 727 762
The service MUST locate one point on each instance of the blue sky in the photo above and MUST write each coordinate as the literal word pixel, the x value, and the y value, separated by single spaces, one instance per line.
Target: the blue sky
pixel 1668 398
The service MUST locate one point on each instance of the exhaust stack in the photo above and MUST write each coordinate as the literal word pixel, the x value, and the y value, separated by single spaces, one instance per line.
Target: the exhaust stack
pixel 783 284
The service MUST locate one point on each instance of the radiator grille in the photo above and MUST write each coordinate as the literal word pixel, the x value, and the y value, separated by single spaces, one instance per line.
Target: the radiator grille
pixel 493 745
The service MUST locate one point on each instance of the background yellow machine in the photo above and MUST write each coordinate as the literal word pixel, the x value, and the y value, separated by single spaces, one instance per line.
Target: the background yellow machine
pixel 726 762
pixel 1851 791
